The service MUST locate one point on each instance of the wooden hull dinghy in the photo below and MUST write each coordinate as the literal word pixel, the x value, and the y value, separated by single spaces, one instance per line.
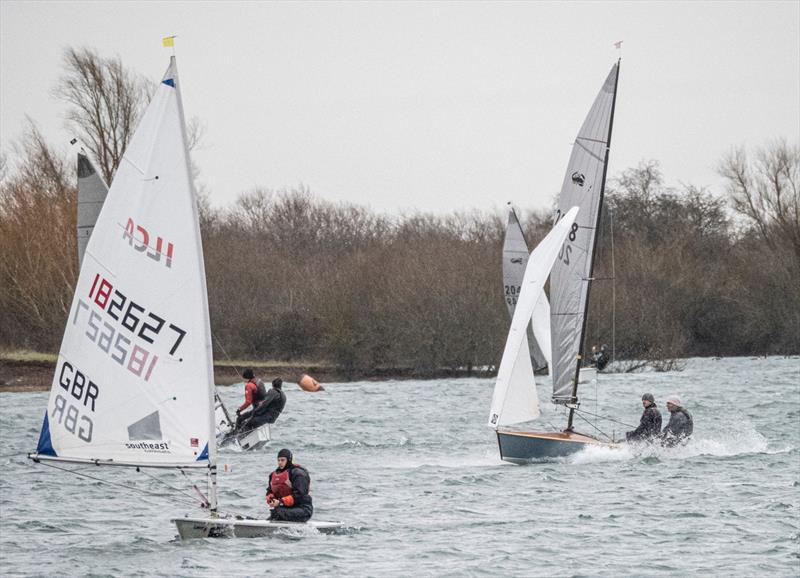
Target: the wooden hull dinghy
pixel 521 447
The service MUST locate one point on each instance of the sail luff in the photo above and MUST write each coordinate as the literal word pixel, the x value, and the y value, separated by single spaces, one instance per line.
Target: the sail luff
pixel 209 357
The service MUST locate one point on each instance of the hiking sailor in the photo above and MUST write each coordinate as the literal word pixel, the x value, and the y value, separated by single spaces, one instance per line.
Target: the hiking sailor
pixel 254 393
pixel 270 407
pixel 288 491
pixel 599 358
pixel 649 424
pixel 680 425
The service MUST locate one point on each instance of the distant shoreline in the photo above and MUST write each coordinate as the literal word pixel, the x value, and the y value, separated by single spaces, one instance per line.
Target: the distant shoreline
pixel 36 374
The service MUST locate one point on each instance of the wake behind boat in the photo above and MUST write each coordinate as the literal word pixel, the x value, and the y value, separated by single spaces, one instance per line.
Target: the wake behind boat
pixel 515 398
pixel 133 385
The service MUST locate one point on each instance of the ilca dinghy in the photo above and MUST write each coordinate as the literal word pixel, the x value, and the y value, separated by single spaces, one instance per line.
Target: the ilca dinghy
pixel 133 385
pixel 570 281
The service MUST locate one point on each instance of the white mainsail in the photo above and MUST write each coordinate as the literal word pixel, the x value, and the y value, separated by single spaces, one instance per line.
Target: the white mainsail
pixel 92 191
pixel 583 187
pixel 134 381
pixel 515 259
pixel 514 399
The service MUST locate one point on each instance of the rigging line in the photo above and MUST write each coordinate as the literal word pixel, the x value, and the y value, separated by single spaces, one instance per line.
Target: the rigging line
pixel 225 353
pixel 176 489
pixel 206 503
pixel 613 292
pixel 102 481
pixel 597 428
pixel 605 418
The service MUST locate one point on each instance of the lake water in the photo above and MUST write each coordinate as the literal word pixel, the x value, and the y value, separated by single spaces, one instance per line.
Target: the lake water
pixel 414 472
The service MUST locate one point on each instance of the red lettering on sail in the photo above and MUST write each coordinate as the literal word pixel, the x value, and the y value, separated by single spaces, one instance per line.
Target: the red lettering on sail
pixel 139 237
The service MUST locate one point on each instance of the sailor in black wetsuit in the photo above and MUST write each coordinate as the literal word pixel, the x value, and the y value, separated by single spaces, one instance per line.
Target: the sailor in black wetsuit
pixel 649 424
pixel 288 491
pixel 268 410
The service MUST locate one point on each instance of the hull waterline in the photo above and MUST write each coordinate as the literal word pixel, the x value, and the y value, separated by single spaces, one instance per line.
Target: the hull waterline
pixel 523 447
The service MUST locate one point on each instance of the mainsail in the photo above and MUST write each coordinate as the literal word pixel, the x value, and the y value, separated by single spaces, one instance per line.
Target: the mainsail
pixel 515 259
pixel 514 399
pixel 134 383
pixel 570 280
pixel 92 191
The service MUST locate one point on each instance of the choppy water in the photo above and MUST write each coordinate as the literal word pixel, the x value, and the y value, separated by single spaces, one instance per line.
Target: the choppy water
pixel 413 467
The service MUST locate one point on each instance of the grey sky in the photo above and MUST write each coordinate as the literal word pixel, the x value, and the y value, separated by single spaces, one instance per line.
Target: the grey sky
pixel 435 106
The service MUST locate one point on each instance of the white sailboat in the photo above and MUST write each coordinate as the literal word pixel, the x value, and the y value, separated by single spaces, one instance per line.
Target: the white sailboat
pixel 133 384
pixel 570 281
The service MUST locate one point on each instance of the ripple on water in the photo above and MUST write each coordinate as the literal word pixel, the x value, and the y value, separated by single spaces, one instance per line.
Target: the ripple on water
pixel 425 493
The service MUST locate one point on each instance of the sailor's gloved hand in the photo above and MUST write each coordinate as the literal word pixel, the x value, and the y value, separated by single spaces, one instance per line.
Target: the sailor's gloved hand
pixel 238 411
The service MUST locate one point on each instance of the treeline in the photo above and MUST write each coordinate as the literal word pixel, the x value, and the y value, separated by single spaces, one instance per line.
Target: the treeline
pixel 293 277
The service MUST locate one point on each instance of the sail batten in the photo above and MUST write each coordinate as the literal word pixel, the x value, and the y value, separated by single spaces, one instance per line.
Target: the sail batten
pixel 583 186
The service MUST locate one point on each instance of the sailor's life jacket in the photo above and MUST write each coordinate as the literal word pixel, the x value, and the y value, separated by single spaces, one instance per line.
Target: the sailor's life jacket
pixel 291 486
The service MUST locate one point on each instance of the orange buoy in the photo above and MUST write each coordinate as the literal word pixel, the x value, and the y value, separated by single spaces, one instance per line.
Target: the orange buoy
pixel 308 383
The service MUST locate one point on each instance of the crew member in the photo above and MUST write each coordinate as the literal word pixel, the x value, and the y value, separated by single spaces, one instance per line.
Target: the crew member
pixel 288 491
pixel 253 395
pixel 269 409
pixel 599 358
pixel 649 424
pixel 680 425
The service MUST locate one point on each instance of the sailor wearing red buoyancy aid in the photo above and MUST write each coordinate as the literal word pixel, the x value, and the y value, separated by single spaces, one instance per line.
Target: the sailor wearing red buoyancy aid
pixel 288 491
pixel 253 396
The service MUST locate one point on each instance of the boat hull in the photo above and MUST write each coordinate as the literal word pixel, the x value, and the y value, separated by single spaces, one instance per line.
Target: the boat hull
pixel 194 528
pixel 523 447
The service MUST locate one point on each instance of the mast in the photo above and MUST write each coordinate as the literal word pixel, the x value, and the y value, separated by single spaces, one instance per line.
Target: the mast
pixel 212 442
pixel 574 398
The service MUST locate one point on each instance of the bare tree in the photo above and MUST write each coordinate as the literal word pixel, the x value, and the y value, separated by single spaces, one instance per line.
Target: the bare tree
pixel 767 191
pixel 37 245
pixel 106 102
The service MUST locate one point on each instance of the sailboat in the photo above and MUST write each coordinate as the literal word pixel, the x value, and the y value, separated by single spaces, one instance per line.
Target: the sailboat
pixel 570 282
pixel 133 384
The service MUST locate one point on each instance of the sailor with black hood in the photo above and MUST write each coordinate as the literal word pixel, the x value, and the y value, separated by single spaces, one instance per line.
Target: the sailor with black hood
pixel 649 424
pixel 288 491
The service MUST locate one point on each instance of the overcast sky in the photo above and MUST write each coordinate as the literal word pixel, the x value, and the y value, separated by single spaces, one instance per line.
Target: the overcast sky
pixel 431 106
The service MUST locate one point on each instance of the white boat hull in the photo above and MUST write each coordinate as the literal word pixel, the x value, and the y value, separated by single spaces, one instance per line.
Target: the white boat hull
pixel 587 374
pixel 193 528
